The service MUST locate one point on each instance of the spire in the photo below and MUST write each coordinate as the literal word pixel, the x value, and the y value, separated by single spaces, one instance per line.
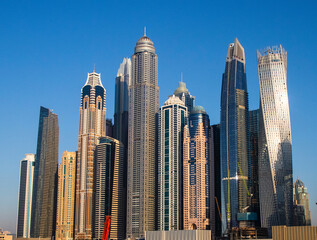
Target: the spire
pixel 181 76
pixel 144 31
pixel 94 68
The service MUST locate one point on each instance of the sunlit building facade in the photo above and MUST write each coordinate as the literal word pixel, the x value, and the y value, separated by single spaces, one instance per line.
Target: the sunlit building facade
pixel 171 121
pixel 143 107
pixel 275 142
pixel 25 196
pixel 92 126
pixel 235 158
pixel 196 171
pixel 66 197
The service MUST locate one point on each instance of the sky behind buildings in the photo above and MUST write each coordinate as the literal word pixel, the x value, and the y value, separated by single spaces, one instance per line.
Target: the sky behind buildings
pixel 48 47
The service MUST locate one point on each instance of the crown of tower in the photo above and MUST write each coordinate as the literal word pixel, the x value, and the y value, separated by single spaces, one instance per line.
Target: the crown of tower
pixel 93 79
pixel 144 44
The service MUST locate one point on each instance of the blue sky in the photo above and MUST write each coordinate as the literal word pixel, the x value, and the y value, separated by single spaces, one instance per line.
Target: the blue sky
pixel 48 47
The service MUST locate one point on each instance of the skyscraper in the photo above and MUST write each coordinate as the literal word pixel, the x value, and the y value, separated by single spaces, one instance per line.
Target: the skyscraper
pixel 103 180
pixel 184 95
pixel 66 197
pixel 45 176
pixel 171 121
pixel 92 126
pixel 25 196
pixel 215 180
pixel 301 201
pixel 122 82
pixel 275 142
pixel 143 107
pixel 254 156
pixel 196 171
pixel 110 188
pixel 234 140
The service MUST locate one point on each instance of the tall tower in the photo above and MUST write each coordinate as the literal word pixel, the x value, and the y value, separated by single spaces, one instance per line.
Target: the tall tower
pixel 215 180
pixel 45 176
pixel 184 95
pixel 171 121
pixel 234 136
pixel 196 171
pixel 103 180
pixel 254 156
pixel 66 197
pixel 92 126
pixel 25 196
pixel 143 107
pixel 275 142
pixel 123 80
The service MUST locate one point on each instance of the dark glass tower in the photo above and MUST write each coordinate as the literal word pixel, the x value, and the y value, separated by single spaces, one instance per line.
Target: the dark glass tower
pixel 215 180
pixel 45 176
pixel 254 155
pixel 235 161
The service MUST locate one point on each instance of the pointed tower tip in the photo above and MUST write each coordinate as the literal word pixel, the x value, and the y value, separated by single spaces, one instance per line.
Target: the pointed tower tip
pixel 144 31
pixel 181 76
pixel 94 68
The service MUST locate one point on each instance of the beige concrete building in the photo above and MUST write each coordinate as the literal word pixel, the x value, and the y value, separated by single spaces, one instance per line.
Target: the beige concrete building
pixel 196 176
pixel 66 196
pixel 92 126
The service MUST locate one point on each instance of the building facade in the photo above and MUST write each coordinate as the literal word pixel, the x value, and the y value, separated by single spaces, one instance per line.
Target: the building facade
pixel 275 142
pixel 171 121
pixel 215 180
pixel 119 191
pixel 121 115
pixel 25 196
pixel 184 95
pixel 66 196
pixel 254 130
pixel 301 204
pixel 196 175
pixel 235 158
pixel 103 180
pixel 92 126
pixel 45 176
pixel 143 107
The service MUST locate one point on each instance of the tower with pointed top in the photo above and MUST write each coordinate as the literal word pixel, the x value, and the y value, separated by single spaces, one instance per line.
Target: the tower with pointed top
pixel 92 126
pixel 234 149
pixel 184 95
pixel 143 107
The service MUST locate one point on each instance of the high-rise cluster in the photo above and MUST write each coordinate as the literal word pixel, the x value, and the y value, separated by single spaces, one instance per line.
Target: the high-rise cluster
pixel 166 168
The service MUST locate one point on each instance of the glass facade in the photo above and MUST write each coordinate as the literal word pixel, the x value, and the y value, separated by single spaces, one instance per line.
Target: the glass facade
pixel 45 176
pixel 275 142
pixel 234 137
pixel 254 154
pixel 215 180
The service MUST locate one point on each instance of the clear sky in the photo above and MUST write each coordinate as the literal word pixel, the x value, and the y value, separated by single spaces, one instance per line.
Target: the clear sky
pixel 48 47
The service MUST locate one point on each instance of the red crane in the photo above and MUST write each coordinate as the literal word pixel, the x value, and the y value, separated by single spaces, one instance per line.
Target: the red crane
pixel 106 228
